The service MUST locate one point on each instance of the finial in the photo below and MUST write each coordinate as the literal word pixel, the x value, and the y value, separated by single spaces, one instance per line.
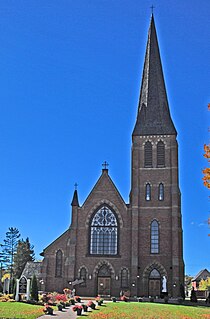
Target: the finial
pixel 75 185
pixel 152 9
pixel 105 165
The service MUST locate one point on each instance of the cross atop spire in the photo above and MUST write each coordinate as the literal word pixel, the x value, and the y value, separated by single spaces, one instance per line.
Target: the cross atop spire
pixel 75 186
pixel 152 8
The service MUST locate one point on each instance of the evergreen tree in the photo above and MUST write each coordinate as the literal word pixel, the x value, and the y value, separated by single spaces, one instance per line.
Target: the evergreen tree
pixel 34 289
pixel 9 248
pixel 24 252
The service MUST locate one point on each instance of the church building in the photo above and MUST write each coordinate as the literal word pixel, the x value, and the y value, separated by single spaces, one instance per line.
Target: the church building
pixel 137 246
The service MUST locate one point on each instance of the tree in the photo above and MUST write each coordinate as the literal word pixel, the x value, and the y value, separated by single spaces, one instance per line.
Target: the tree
pixel 206 171
pixel 204 284
pixel 24 252
pixel 9 248
pixel 34 289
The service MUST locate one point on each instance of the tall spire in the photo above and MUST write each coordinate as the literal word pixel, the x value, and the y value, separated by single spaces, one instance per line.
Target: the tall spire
pixel 153 116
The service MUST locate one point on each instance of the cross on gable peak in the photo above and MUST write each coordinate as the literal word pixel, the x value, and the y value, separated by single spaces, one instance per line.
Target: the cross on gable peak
pixel 105 165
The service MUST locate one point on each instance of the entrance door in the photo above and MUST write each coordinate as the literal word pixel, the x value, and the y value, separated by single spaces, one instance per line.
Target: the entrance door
pixel 104 286
pixel 154 287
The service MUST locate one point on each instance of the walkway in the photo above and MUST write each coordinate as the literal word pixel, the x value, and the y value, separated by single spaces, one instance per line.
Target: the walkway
pixel 64 314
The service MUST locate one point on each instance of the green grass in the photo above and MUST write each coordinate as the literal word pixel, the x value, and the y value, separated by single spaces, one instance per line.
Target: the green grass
pixel 135 310
pixel 20 310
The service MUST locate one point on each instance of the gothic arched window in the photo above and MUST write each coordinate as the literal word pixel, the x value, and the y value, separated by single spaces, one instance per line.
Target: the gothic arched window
pixel 83 276
pixel 104 232
pixel 58 263
pixel 148 154
pixel 124 278
pixel 160 154
pixel 154 274
pixel 154 232
pixel 161 191
pixel 148 192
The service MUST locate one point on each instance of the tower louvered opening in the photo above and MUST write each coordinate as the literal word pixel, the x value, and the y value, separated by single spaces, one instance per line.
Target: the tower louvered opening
pixel 160 154
pixel 148 154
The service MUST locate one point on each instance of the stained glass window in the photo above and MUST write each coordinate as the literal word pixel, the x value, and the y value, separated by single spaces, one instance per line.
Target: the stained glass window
pixel 59 264
pixel 154 274
pixel 161 191
pixel 83 276
pixel 124 278
pixel 104 232
pixel 148 192
pixel 154 237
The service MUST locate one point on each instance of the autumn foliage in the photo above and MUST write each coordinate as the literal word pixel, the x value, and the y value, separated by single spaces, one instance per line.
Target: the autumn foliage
pixel 206 171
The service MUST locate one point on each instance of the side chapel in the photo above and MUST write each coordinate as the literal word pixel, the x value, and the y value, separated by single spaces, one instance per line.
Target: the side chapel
pixel 137 246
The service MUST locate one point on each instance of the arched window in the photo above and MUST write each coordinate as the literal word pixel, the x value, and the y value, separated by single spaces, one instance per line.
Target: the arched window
pixel 104 232
pixel 154 274
pixel 161 191
pixel 154 232
pixel 83 276
pixel 124 278
pixel 148 154
pixel 58 264
pixel 148 192
pixel 160 154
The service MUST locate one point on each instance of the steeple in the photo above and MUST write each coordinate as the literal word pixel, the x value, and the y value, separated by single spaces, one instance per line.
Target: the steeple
pixel 75 201
pixel 153 116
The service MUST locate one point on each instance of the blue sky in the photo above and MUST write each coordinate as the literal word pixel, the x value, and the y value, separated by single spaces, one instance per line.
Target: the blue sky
pixel 70 74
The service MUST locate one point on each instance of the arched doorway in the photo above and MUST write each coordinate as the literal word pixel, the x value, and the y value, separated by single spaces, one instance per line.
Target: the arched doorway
pixel 104 281
pixel 154 283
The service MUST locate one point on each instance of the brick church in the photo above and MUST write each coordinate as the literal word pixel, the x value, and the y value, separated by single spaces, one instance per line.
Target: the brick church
pixel 137 246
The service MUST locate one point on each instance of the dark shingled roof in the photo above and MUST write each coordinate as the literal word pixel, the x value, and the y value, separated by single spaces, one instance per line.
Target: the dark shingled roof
pixel 32 268
pixel 153 112
pixel 203 274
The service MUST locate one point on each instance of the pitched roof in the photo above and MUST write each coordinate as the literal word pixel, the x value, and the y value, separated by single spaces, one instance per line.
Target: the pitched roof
pixel 32 268
pixel 153 116
pixel 202 275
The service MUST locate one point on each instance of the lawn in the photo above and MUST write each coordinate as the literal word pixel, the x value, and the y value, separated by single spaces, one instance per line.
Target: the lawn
pixel 133 310
pixel 19 310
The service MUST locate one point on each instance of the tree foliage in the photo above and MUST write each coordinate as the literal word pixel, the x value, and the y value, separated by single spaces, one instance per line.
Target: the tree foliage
pixel 24 252
pixel 204 284
pixel 206 171
pixel 9 248
pixel 34 289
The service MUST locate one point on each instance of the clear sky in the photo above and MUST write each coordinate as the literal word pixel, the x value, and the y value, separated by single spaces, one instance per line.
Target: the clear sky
pixel 70 74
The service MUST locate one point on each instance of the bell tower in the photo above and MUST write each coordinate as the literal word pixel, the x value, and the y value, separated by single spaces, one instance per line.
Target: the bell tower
pixel 157 265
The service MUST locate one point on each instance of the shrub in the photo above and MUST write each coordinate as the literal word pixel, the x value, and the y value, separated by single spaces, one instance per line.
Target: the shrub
pixel 34 289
